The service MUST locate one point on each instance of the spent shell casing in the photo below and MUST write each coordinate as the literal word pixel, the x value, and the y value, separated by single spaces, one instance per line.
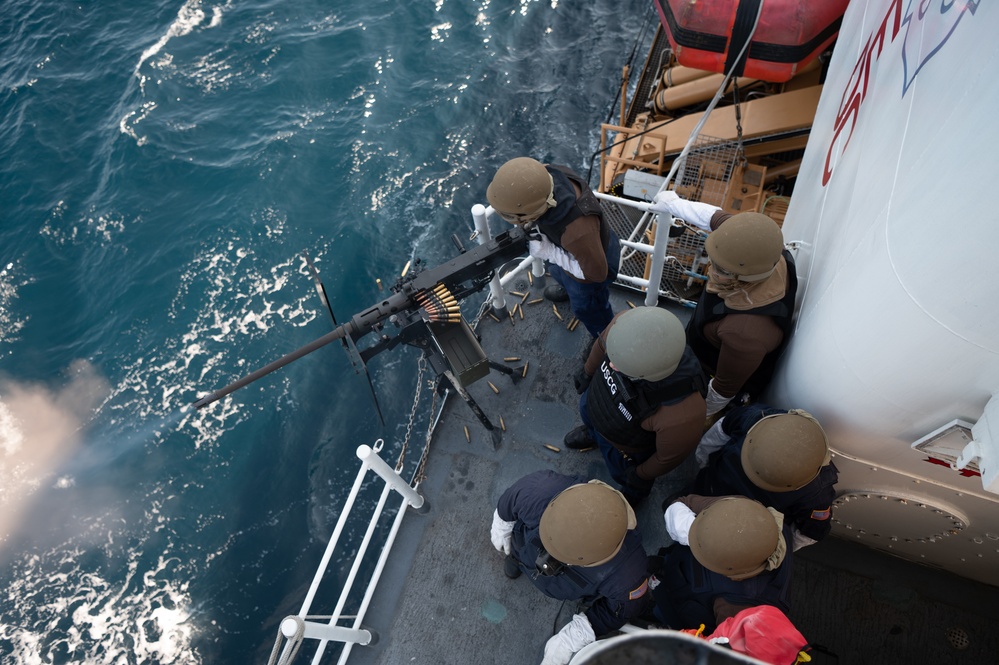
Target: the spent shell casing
pixel 535 301
pixel 495 389
pixel 555 309
pixel 494 317
pixel 523 373
pixel 530 278
pixel 468 437
pixel 379 283
pixel 630 304
pixel 552 448
pixel 405 268
pixel 516 293
pixel 511 359
pixel 520 311
pixel 502 424
pixel 525 297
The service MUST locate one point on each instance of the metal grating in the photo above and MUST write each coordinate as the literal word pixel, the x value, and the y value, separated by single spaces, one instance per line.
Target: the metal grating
pixel 683 254
pixel 704 173
pixel 702 176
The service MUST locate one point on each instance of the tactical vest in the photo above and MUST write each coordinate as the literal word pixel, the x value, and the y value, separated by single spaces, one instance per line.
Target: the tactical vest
pixel 617 405
pixel 570 207
pixel 711 307
pixel 687 590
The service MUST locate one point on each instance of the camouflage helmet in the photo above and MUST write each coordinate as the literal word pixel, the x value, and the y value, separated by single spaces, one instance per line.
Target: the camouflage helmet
pixel 585 524
pixel 734 537
pixel 785 451
pixel 747 245
pixel 646 343
pixel 521 191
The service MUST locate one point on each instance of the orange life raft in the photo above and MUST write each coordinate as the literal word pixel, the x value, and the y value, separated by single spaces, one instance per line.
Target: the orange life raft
pixel 708 34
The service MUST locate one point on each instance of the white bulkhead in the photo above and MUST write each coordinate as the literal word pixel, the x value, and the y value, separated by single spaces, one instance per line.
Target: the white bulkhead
pixel 896 221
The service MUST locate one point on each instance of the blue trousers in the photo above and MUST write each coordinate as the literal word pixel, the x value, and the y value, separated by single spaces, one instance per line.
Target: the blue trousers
pixel 615 460
pixel 589 301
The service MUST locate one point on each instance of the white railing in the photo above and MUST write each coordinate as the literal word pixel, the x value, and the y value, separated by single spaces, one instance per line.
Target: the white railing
pixel 297 628
pixel 480 215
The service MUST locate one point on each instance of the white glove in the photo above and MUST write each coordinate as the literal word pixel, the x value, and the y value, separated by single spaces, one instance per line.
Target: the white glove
pixel 800 540
pixel 693 212
pixel 549 251
pixel 714 439
pixel 715 401
pixel 678 519
pixel 662 203
pixel 574 636
pixel 501 533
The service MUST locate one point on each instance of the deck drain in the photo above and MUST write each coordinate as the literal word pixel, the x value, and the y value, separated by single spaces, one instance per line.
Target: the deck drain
pixel 958 638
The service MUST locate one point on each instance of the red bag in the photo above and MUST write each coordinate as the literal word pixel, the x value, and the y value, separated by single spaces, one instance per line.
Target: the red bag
pixel 764 633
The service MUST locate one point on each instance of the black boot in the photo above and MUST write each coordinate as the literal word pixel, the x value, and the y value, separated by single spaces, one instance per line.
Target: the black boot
pixel 580 439
pixel 556 293
pixel 510 567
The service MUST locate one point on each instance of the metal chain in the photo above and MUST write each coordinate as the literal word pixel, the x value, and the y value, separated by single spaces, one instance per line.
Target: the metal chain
pixel 420 474
pixel 422 367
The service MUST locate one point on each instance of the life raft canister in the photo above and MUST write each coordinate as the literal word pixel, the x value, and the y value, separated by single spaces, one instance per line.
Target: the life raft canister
pixel 708 34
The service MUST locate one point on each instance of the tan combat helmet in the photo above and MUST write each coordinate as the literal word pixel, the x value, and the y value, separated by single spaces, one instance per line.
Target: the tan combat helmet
pixel 734 537
pixel 646 343
pixel 521 191
pixel 747 245
pixel 785 451
pixel 585 525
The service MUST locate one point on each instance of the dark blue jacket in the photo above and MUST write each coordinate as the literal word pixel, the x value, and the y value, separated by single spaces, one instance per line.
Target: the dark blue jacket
pixel 808 508
pixel 685 591
pixel 617 590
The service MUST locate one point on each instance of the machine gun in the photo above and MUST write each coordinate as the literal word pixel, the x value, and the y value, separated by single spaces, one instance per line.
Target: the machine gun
pixel 424 307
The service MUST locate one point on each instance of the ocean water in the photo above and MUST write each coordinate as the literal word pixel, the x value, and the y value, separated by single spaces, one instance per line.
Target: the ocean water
pixel 163 165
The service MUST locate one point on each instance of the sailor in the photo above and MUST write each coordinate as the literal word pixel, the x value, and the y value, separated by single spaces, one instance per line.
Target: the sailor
pixel 743 318
pixel 567 230
pixel 576 540
pixel 730 553
pixel 642 399
pixel 777 457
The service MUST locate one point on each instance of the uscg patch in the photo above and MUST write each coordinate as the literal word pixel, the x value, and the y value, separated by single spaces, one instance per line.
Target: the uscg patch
pixel 822 514
pixel 640 591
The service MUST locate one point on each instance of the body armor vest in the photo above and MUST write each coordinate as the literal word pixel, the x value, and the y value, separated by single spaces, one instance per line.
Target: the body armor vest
pixel 711 307
pixel 617 405
pixel 570 207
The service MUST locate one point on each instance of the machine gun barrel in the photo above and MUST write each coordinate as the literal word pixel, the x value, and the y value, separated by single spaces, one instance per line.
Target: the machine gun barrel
pixel 471 265
pixel 338 333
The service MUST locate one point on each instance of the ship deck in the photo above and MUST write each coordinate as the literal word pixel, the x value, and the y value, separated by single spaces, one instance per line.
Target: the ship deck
pixel 443 598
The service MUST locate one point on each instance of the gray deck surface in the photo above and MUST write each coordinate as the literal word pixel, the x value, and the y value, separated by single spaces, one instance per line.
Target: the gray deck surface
pixel 444 600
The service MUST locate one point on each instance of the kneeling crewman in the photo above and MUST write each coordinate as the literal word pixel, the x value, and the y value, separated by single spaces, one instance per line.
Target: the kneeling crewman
pixel 577 540
pixel 730 553
pixel 777 457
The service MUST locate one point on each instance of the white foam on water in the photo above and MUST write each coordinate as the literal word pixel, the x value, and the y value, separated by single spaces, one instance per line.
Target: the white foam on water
pixel 237 301
pixel 11 280
pixel 188 18
pixel 147 617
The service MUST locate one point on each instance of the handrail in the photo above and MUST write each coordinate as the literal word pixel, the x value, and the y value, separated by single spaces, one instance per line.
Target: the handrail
pixel 480 216
pixel 296 628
